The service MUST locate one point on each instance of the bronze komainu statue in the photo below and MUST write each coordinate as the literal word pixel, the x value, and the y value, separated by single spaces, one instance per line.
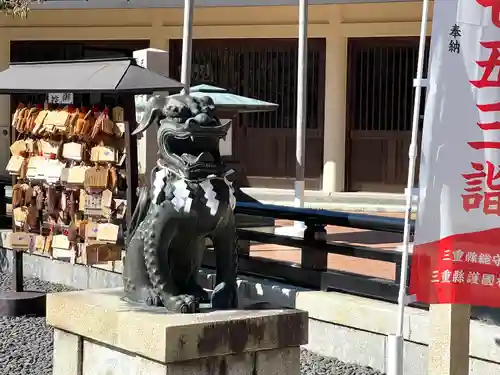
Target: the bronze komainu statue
pixel 190 199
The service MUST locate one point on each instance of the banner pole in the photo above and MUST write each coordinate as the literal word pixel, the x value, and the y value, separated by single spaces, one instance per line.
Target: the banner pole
pixel 301 109
pixel 187 42
pixel 395 357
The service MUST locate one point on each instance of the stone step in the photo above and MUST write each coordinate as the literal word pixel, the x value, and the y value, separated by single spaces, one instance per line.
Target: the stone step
pixel 345 201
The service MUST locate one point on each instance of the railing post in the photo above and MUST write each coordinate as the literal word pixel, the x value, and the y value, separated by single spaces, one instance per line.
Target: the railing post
pixel 397 272
pixel 244 248
pixel 313 255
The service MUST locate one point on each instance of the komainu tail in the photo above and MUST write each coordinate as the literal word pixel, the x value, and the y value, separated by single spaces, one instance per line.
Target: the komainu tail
pixel 140 212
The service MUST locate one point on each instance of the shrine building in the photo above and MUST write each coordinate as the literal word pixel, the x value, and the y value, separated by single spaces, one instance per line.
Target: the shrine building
pixel 362 59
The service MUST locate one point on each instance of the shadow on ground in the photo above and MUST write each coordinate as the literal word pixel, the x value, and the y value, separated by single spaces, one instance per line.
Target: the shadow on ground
pixel 486 314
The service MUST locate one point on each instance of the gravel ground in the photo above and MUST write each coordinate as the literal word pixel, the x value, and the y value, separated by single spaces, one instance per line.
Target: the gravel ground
pixel 313 364
pixel 26 344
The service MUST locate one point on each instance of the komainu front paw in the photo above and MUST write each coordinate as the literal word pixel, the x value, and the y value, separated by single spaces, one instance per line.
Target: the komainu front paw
pixel 200 294
pixel 153 298
pixel 182 304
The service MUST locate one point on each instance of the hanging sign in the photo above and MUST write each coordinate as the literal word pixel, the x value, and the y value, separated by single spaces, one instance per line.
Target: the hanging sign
pixel 60 98
pixel 456 256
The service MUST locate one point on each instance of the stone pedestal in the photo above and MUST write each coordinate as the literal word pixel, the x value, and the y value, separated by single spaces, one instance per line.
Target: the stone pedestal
pixel 96 333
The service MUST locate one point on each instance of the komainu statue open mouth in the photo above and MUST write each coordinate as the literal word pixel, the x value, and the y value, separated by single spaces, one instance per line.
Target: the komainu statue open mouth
pixel 191 198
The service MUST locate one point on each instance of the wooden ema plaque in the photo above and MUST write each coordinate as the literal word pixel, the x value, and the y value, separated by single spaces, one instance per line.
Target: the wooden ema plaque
pixel 94 252
pixel 93 204
pixel 96 178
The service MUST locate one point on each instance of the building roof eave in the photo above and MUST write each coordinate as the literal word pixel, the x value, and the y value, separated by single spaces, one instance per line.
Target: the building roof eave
pixel 134 4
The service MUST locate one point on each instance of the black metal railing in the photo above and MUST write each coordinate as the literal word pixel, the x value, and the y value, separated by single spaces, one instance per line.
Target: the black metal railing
pixel 313 272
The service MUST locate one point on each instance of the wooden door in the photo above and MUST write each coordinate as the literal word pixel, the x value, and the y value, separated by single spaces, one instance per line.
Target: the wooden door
pixel 265 69
pixel 380 111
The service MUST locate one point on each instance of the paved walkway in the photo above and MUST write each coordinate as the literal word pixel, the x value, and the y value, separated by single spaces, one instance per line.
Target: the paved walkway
pixel 341 201
pixel 379 240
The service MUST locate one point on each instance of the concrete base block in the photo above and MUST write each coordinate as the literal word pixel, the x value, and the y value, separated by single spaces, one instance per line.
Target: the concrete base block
pixel 97 333
pixel 67 353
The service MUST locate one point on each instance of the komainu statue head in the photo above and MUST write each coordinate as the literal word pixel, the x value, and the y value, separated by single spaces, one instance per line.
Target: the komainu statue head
pixel 189 133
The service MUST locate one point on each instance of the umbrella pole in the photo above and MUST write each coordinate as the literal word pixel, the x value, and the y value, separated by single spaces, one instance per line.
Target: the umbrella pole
pixel 187 41
pixel 301 109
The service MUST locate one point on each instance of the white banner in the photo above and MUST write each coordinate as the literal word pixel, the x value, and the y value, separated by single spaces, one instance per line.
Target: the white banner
pixel 456 257
pixel 451 139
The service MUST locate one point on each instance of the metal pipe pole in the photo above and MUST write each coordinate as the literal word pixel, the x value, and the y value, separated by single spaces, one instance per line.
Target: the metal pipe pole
pixel 187 42
pixel 301 107
pixel 395 354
